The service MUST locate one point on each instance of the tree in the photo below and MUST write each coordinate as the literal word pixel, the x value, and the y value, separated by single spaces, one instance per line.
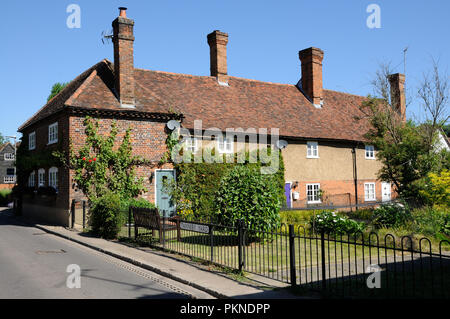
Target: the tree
pixel 2 139
pixel 407 149
pixel 56 88
pixel 99 166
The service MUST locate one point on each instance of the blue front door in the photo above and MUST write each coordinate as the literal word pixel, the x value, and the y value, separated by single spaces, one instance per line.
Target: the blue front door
pixel 287 192
pixel 164 201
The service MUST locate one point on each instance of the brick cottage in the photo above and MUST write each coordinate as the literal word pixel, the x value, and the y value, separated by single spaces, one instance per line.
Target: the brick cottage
pixel 326 150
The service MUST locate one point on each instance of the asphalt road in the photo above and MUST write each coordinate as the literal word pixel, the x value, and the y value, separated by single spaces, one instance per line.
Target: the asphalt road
pixel 33 264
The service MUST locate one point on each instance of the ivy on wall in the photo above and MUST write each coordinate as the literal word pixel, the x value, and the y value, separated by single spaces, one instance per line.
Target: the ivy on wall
pixel 195 189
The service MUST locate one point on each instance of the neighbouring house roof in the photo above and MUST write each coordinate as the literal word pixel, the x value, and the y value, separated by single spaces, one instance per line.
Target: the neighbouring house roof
pixel 4 145
pixel 243 104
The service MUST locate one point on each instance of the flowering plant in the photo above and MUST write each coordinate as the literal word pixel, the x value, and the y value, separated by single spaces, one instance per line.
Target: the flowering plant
pixel 331 222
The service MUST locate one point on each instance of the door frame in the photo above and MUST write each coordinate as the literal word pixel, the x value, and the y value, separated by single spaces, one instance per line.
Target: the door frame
pixel 390 191
pixel 156 181
pixel 290 192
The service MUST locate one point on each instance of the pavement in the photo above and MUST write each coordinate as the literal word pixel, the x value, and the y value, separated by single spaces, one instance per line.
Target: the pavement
pixel 207 282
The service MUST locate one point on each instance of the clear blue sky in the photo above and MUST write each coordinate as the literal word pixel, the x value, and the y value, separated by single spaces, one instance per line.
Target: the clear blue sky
pixel 38 49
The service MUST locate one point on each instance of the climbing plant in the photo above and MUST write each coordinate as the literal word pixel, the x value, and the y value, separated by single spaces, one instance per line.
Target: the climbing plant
pixel 100 166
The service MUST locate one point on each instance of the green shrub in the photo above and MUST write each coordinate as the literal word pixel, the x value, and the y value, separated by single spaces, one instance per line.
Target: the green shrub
pixel 133 202
pixel 436 190
pixel 195 189
pixel 330 222
pixel 430 221
pixel 365 214
pixel 298 217
pixel 246 194
pixel 445 228
pixel 5 196
pixel 391 215
pixel 106 218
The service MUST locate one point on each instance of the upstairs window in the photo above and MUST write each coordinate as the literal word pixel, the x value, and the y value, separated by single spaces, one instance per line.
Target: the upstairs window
pixel 370 152
pixel 192 145
pixel 53 177
pixel 9 157
pixel 225 145
pixel 32 141
pixel 312 150
pixel 53 133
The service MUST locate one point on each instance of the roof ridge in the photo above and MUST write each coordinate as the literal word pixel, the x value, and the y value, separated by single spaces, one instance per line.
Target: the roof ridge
pixel 340 92
pixel 212 77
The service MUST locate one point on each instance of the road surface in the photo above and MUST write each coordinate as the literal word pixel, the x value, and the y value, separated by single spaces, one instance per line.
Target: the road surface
pixel 34 264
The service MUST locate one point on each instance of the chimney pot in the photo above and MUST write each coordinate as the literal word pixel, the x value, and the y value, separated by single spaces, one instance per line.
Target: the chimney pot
pixel 312 87
pixel 123 12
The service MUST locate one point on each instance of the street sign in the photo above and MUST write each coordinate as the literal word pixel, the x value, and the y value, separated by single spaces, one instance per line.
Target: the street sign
pixel 198 228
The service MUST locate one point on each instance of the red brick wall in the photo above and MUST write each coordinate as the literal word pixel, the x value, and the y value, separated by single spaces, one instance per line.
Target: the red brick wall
pixel 148 139
pixel 41 130
pixel 337 193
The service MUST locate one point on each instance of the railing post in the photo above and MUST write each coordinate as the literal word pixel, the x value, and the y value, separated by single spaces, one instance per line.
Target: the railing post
pixel 211 241
pixel 240 235
pixel 72 213
pixel 292 255
pixel 129 222
pixel 164 229
pixel 322 249
pixel 84 214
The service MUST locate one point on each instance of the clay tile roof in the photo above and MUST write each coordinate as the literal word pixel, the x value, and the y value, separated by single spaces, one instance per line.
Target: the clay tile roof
pixel 243 104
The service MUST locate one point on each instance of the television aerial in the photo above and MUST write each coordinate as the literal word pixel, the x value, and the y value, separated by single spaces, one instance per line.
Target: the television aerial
pixel 107 37
pixel 172 124
pixel 281 144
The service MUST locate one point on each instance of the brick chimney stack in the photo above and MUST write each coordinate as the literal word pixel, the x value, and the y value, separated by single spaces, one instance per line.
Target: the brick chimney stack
pixel 398 100
pixel 123 40
pixel 218 55
pixel 311 82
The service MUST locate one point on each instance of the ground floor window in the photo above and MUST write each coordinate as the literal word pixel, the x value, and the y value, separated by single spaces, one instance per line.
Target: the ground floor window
pixel 312 193
pixel 53 177
pixel 369 191
pixel 41 177
pixel 31 179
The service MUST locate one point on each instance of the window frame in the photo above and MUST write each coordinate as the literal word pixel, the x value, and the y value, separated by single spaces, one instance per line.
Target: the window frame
pixel 225 141
pixel 318 201
pixel 32 137
pixel 41 171
pixel 11 157
pixel 55 133
pixel 372 151
pixel 51 182
pixel 32 179
pixel 312 143
pixel 366 193
pixel 189 145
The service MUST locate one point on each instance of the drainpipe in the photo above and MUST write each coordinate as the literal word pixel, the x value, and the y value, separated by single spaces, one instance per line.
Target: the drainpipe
pixel 355 175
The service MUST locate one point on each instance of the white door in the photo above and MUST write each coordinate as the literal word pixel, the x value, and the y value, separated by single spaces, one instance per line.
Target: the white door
pixel 385 192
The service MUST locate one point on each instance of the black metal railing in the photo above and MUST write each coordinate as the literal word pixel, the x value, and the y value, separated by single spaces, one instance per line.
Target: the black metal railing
pixel 341 265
